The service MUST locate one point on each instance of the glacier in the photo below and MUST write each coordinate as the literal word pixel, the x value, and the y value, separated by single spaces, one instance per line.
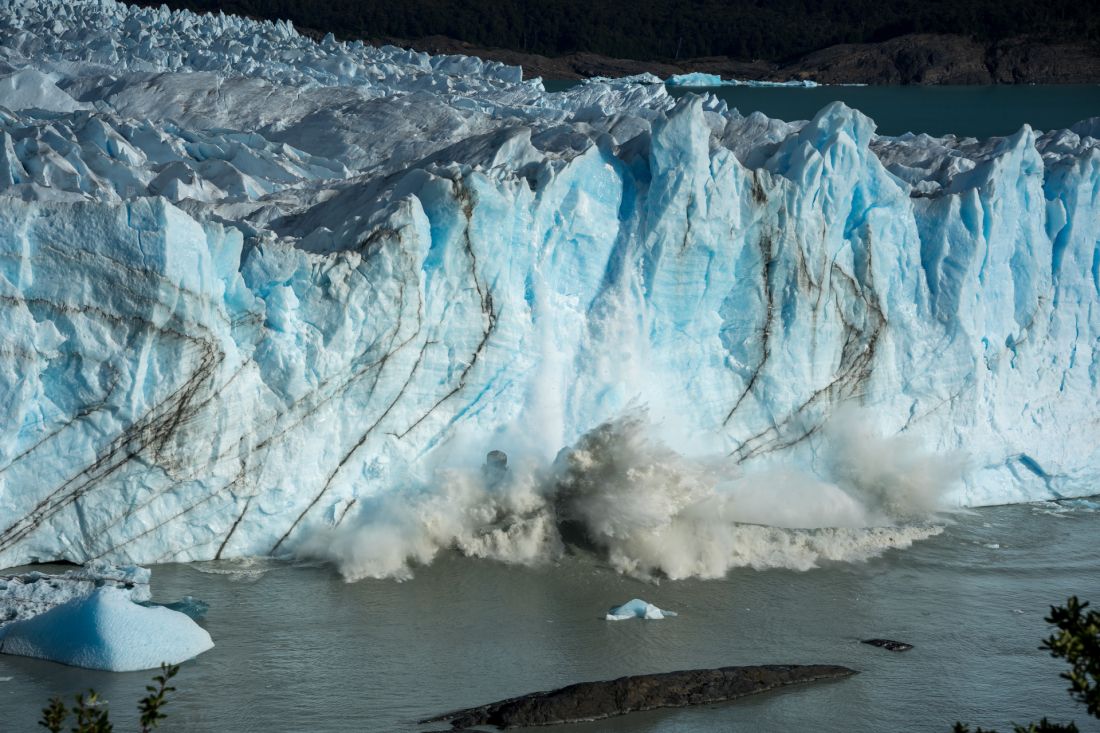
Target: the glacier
pixel 254 287
pixel 699 79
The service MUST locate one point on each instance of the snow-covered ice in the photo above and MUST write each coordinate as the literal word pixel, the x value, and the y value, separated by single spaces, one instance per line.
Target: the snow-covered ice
pixel 252 285
pixel 31 89
pixel 636 608
pixel 699 79
pixel 106 630
pixel 35 592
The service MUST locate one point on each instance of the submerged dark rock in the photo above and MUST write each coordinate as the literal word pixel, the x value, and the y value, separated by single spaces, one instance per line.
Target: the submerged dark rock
pixel 894 646
pixel 603 699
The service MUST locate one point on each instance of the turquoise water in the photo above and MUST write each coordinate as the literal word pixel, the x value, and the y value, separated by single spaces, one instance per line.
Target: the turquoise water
pixel 300 650
pixel 977 111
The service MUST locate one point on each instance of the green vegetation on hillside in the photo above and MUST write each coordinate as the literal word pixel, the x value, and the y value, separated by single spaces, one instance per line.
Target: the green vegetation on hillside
pixel 666 29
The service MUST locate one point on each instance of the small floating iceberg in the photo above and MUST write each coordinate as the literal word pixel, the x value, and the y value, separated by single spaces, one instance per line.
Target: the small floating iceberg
pixel 189 606
pixel 107 630
pixel 98 616
pixel 636 608
pixel 698 79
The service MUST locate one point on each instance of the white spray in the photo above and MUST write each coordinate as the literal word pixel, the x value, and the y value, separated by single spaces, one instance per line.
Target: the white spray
pixel 652 512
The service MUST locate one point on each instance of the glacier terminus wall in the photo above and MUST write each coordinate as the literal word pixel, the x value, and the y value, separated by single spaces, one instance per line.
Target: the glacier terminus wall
pixel 251 283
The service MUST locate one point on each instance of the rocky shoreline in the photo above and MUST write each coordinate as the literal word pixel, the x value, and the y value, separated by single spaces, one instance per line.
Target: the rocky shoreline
pixel 597 700
pixel 920 59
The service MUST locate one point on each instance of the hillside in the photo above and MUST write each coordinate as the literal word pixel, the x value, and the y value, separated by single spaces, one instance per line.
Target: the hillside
pixel 860 41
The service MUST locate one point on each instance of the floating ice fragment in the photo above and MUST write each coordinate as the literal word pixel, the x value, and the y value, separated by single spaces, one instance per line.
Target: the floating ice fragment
pixel 636 608
pixel 107 631
pixel 189 606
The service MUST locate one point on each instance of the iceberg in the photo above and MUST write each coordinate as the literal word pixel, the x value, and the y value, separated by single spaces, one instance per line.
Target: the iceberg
pixel 107 630
pixel 636 608
pixel 98 616
pixel 253 285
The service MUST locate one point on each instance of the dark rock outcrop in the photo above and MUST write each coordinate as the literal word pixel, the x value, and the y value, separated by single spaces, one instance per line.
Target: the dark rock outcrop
pixel 597 700
pixel 890 644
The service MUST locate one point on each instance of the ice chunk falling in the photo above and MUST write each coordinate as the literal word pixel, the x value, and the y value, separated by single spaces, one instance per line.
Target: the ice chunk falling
pixel 249 281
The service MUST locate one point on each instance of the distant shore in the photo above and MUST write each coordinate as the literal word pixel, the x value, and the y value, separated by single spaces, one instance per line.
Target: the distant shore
pixel 922 59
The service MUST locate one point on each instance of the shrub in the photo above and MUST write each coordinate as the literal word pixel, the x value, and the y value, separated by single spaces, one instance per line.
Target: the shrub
pixel 92 715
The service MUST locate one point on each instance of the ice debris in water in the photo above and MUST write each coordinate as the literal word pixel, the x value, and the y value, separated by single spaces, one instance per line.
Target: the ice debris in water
pixel 189 606
pixel 106 630
pixel 253 284
pixel 636 608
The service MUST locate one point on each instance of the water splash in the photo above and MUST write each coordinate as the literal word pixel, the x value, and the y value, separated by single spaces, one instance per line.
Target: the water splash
pixel 621 493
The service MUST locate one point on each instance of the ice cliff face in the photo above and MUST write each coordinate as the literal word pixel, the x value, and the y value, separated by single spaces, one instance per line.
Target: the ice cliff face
pixel 248 280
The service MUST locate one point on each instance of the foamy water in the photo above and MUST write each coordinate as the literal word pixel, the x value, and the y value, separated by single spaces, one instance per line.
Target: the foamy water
pixel 298 648
pixel 651 512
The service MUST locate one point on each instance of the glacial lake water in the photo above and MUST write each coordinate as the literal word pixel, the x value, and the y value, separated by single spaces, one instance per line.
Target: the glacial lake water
pixel 977 111
pixel 298 649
